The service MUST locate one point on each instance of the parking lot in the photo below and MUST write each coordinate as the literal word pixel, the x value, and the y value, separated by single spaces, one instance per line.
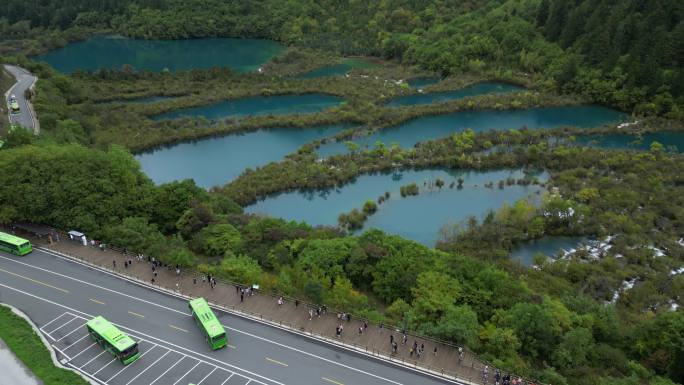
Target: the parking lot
pixel 157 364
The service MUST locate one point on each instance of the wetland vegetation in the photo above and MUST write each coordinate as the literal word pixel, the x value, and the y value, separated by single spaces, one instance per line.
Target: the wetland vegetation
pixel 559 322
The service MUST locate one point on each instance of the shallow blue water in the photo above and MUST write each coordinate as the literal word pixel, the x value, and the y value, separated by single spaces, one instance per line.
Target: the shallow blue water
pixel 423 82
pixel 548 246
pixel 216 161
pixel 434 127
pixel 107 52
pixel 673 141
pixel 419 217
pixel 258 105
pixel 440 97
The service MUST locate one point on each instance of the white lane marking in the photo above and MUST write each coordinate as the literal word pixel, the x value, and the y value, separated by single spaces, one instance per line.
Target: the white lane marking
pixel 89 346
pixel 186 373
pixel 167 370
pixel 229 377
pixel 63 325
pixel 151 337
pixel 315 356
pixel 233 329
pixel 148 367
pixel 93 359
pixel 61 352
pixel 131 364
pixel 205 377
pixel 75 342
pixel 98 371
pixel 71 332
pixel 97 380
pixel 422 372
pixel 44 326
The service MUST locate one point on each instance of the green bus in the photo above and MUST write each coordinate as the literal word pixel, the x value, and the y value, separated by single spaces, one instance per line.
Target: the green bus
pixel 208 323
pixel 111 339
pixel 14 245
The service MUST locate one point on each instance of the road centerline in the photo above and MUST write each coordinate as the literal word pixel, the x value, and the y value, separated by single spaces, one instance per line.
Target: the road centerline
pixel 136 314
pixel 177 328
pixel 276 362
pixel 35 281
pixel 330 361
pixel 135 333
pixel 331 381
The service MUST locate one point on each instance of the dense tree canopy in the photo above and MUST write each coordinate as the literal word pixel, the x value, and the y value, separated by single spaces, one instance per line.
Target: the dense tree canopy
pixel 627 53
pixel 560 322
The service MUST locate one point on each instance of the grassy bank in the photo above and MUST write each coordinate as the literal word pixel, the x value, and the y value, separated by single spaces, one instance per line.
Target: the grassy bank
pixel 27 346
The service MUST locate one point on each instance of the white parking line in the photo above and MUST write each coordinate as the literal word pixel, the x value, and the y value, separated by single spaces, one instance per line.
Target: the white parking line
pixel 44 326
pixel 167 370
pixel 223 383
pixel 183 356
pixel 227 327
pixel 131 364
pixel 71 332
pixel 98 370
pixel 93 359
pixel 61 352
pixel 75 342
pixel 205 377
pixel 195 354
pixel 64 324
pixel 168 351
pixel 186 373
pixel 89 346
pixel 148 367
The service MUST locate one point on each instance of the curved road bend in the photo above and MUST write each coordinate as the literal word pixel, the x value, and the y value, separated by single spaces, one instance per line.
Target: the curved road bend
pixel 61 294
pixel 25 80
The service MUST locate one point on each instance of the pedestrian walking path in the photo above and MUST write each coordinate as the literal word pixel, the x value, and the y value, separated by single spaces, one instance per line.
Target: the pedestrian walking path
pixel 384 342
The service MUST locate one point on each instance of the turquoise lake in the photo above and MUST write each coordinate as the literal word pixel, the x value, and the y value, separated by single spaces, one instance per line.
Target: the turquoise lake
pixel 441 97
pixel 216 161
pixel 423 82
pixel 673 141
pixel 107 52
pixel 343 67
pixel 418 217
pixel 434 127
pixel 258 105
pixel 548 246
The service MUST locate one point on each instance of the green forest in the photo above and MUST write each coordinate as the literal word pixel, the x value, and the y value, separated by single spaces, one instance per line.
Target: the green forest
pixel 628 53
pixel 556 323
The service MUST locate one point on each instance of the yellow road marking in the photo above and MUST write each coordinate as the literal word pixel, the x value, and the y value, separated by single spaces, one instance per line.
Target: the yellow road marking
pixel 276 362
pixel 136 314
pixel 177 328
pixel 35 281
pixel 331 381
pixel 96 301
pixel 231 346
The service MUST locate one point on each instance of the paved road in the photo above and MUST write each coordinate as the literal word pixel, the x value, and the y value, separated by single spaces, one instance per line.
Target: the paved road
pixel 25 80
pixel 60 295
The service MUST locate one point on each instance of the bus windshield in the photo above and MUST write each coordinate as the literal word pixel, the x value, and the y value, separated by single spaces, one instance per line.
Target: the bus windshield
pixel 131 351
pixel 219 337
